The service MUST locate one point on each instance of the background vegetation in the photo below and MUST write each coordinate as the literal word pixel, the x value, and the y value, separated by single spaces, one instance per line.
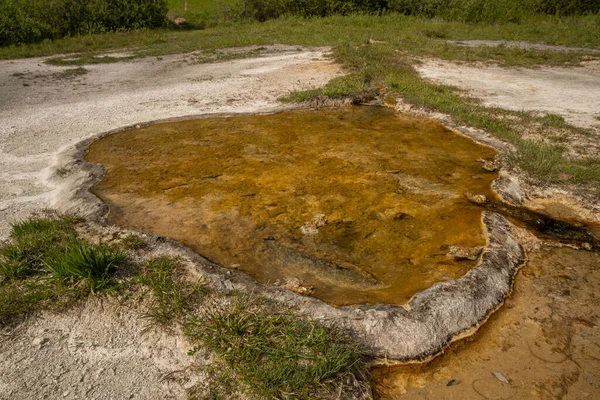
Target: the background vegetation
pixel 29 21
pixel 210 13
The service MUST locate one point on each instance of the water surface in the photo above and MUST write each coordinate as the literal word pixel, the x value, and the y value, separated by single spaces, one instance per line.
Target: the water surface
pixel 357 203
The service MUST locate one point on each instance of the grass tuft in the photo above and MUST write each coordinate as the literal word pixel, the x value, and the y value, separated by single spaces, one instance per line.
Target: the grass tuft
pixel 79 261
pixel 25 284
pixel 172 296
pixel 555 120
pixel 20 298
pixel 133 242
pixel 43 263
pixel 31 241
pixel 272 351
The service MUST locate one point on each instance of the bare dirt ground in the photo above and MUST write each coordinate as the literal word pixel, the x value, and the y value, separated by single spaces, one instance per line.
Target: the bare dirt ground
pixel 99 350
pixel 573 93
pixel 522 45
pixel 544 343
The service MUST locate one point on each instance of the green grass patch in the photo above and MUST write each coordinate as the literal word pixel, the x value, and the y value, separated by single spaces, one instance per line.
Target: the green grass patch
pixel 44 265
pixel 176 7
pixel 32 241
pixel 553 120
pixel 133 242
pixel 407 34
pixel 19 298
pixel 272 351
pixel 173 297
pixel 86 59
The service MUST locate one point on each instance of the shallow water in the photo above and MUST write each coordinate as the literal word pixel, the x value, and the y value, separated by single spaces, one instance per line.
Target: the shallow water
pixel 544 340
pixel 247 192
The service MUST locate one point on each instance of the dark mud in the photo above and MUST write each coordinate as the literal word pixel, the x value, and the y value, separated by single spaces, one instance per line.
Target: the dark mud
pixel 548 228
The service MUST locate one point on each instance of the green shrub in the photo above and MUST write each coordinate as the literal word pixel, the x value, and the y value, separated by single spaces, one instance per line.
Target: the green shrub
pixel 28 21
pixel 19 25
pixel 471 11
pixel 463 10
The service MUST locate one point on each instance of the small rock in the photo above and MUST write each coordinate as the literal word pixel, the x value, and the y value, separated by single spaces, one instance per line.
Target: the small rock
pixel 478 199
pixel 39 342
pixel 308 230
pixel 489 165
pixel 498 375
pixel 295 285
pixel 312 227
pixel 138 126
pixel 586 246
pixel 178 20
pixel 453 382
pixel 464 253
pixel 66 393
pixel 319 220
pixel 401 215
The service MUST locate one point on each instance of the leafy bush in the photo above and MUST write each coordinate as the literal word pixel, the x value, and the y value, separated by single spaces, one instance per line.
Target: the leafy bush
pixel 19 25
pixel 28 21
pixel 453 10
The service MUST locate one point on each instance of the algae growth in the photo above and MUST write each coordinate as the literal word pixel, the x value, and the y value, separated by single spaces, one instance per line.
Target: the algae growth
pixel 357 204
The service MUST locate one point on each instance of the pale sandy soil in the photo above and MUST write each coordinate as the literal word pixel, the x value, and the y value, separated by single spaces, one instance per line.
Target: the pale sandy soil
pixel 99 350
pixel 573 93
pixel 522 45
